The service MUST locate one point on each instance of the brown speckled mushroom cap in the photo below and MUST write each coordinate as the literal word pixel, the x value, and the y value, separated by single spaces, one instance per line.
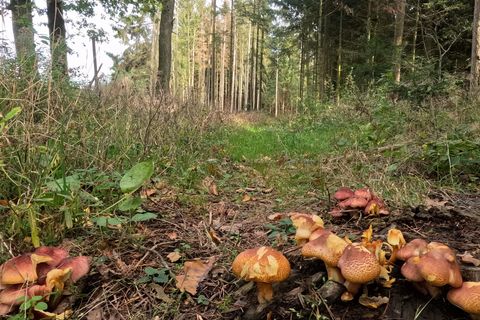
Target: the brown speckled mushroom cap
pixel 467 297
pixel 358 265
pixel 262 264
pixel 343 193
pixel 21 269
pixel 414 248
pixel 305 225
pixel 439 267
pixel 328 247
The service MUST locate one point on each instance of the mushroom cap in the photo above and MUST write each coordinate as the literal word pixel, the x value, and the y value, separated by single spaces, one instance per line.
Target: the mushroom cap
pixel 328 247
pixel 354 202
pixel 358 265
pixel 57 254
pixel 363 193
pixel 21 269
pixel 410 270
pixel 262 264
pixel 305 225
pixel 343 193
pixel 416 247
pixel 80 266
pixel 5 309
pixel 395 238
pixel 318 233
pixel 467 297
pixel 439 267
pixel 13 294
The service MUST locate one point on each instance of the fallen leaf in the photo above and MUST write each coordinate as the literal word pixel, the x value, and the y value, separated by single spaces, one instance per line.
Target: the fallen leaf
pixel 246 198
pixel 160 293
pixel 147 193
pixel 468 258
pixel 436 204
pixel 4 203
pixel 269 190
pixel 214 237
pixel 372 302
pixel 172 235
pixel 276 216
pixel 213 189
pixel 95 313
pixel 174 256
pixel 210 185
pixel 195 271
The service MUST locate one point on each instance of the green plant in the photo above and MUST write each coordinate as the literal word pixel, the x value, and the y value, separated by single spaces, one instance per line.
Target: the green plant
pixel 160 276
pixel 28 306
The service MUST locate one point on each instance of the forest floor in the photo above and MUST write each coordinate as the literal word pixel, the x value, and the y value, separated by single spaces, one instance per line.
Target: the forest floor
pixel 246 182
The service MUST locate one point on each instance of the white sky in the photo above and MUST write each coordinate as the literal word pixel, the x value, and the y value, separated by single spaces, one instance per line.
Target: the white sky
pixel 81 57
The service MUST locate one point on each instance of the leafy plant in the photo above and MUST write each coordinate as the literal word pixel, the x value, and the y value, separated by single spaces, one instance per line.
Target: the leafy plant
pixel 160 276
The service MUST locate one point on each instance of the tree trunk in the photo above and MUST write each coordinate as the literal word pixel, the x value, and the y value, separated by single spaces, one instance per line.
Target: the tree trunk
pixel 339 59
pixel 260 71
pixel 302 70
pixel 213 77
pixel 475 60
pixel 276 92
pixel 415 36
pixel 165 47
pixel 233 56
pixel 22 24
pixel 221 93
pixel 58 44
pixel 154 52
pixel 398 38
pixel 320 79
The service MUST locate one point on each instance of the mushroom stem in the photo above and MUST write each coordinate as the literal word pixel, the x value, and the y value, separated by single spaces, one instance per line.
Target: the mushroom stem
pixel 334 274
pixel 265 292
pixel 352 290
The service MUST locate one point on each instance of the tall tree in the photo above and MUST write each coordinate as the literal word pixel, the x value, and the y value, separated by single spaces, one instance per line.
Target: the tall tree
pixel 23 32
pixel 475 60
pixel 398 38
pixel 165 46
pixel 58 43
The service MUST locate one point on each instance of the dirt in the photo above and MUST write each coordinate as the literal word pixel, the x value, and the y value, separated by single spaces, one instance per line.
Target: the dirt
pixel 222 229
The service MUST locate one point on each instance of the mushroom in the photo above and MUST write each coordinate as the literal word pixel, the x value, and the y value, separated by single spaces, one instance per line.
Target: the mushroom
pixel 363 193
pixel 12 296
pixel 358 266
pixel 414 248
pixel 354 203
pixel 327 247
pixel 80 266
pixel 467 298
pixel 305 225
pixel 21 269
pixel 5 309
pixel 376 206
pixel 263 266
pixel 343 193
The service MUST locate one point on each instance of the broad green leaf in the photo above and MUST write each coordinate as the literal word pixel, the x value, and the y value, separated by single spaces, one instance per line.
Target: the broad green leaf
pixel 161 277
pixel 42 306
pixel 151 271
pixel 115 221
pixel 136 176
pixel 101 221
pixel 139 217
pixel 32 219
pixel 12 113
pixel 130 203
pixel 71 183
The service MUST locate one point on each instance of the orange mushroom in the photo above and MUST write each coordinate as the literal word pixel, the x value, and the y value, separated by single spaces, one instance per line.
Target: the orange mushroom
pixel 263 266
pixel 358 266
pixel 414 248
pixel 305 225
pixel 12 296
pixel 467 298
pixel 343 193
pixel 327 247
pixel 21 269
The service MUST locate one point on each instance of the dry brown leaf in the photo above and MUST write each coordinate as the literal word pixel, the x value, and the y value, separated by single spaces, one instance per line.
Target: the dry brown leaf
pixel 269 190
pixel 172 235
pixel 436 204
pixel 210 185
pixel 4 203
pixel 160 293
pixel 246 198
pixel 195 271
pixel 372 302
pixel 95 313
pixel 276 216
pixel 468 258
pixel 174 256
pixel 213 235
pixel 147 193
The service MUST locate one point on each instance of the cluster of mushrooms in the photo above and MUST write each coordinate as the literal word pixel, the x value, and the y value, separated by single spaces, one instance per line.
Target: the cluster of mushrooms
pixel 361 199
pixel 428 266
pixel 48 272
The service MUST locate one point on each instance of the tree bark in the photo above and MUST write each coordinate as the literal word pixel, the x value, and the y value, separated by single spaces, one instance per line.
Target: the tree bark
pixel 339 58
pixel 154 52
pixel 221 93
pixel 398 38
pixel 58 43
pixel 475 59
pixel 233 56
pixel 165 47
pixel 320 75
pixel 214 58
pixel 22 24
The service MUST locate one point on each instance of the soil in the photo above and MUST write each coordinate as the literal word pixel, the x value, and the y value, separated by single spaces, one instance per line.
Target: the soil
pixel 221 229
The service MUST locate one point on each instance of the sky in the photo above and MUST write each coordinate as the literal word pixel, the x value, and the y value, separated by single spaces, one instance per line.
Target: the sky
pixel 81 57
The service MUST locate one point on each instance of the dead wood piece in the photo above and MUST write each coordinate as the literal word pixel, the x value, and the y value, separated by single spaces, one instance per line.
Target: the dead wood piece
pixel 331 291
pixel 470 273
